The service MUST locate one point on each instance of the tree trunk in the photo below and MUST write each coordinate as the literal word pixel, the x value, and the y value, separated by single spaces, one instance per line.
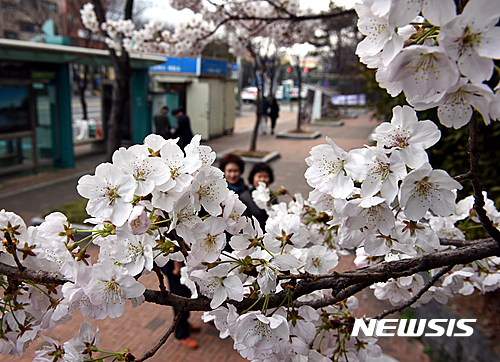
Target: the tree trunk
pixel 121 85
pixel 120 100
pixel 81 90
pixel 299 101
pixel 257 71
pixel 81 84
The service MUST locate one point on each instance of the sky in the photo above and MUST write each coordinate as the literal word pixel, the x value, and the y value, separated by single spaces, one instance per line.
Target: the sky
pixel 164 11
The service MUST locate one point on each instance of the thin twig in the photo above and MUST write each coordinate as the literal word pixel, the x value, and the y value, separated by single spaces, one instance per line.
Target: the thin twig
pixel 12 249
pixel 417 296
pixel 465 176
pixel 163 339
pixel 182 244
pixel 161 279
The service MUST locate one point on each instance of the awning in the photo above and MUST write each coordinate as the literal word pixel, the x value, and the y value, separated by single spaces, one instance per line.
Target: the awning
pixel 18 50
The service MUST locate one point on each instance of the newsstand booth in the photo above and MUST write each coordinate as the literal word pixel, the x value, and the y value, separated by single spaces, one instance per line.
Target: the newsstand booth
pixel 35 102
pixel 200 86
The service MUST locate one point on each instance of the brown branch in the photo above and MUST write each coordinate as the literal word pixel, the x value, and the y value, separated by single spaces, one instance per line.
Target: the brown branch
pixel 351 282
pixel 273 19
pixel 476 184
pixel 459 243
pixel 163 339
pixel 161 279
pixel 12 249
pixel 182 244
pixel 343 285
pixel 465 176
pixel 417 296
pixel 37 276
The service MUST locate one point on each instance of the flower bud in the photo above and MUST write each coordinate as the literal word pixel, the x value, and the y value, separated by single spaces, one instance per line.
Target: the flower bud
pixel 138 221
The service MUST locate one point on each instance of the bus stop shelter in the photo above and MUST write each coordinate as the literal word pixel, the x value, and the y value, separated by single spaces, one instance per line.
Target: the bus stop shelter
pixel 35 102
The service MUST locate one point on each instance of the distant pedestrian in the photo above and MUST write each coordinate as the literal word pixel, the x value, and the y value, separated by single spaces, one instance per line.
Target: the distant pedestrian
pixel 162 124
pixel 183 129
pixel 263 120
pixel 274 113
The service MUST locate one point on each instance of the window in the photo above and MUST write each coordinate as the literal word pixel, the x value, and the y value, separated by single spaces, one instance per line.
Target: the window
pixel 27 3
pixel 49 6
pixel 29 27
pixel 10 34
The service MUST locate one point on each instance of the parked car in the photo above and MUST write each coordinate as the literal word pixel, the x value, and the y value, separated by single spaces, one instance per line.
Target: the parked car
pixel 279 93
pixel 249 94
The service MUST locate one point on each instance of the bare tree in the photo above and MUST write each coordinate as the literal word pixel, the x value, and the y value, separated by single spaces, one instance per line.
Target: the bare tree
pixel 121 86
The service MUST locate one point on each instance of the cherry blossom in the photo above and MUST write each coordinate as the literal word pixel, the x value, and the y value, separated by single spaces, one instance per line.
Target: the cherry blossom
pixel 110 286
pixel 383 174
pixel 423 69
pixel 209 240
pixel 320 260
pixel 457 104
pixel 218 285
pixel 110 193
pixel 424 189
pixel 472 39
pixel 407 136
pixel 380 35
pixel 147 171
pixel 332 170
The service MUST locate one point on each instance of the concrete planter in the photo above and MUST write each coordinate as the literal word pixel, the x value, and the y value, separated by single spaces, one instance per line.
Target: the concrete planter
pixel 288 134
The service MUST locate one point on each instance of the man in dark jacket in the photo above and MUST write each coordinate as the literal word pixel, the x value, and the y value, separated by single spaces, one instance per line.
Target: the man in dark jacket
pixel 162 125
pixel 274 113
pixel 183 129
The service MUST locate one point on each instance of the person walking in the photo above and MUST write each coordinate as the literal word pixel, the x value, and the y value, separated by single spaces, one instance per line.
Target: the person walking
pixel 183 129
pixel 162 124
pixel 274 113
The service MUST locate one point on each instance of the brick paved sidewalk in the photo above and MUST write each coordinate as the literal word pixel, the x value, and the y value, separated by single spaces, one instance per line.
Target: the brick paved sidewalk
pixel 140 328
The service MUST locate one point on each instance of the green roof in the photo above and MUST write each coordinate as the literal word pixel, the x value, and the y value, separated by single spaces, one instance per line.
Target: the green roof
pixel 18 50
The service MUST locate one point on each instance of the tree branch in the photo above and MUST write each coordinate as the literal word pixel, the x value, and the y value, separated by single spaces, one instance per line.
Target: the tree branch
pixel 351 282
pixel 161 281
pixel 417 296
pixel 37 276
pixel 163 339
pixel 343 285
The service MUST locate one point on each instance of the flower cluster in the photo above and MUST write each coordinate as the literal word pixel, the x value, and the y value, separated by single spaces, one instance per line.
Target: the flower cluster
pixel 156 202
pixel 190 37
pixel 436 56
